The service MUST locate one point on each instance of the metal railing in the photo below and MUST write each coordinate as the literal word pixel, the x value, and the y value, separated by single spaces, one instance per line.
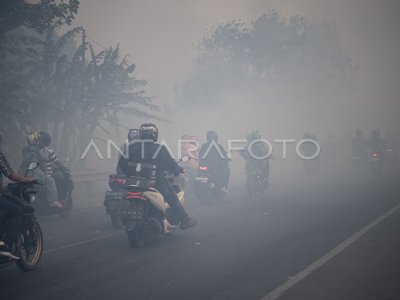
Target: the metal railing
pixel 90 176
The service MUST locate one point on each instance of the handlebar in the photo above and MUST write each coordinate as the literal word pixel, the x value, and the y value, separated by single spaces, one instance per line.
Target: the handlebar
pixel 23 184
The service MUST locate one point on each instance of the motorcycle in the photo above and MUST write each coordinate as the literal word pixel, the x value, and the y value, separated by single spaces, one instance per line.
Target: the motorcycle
pixel 113 199
pixel 376 163
pixel 360 164
pixel 312 167
pixel 206 187
pixel 190 172
pixel 65 187
pixel 256 184
pixel 29 243
pixel 391 158
pixel 144 212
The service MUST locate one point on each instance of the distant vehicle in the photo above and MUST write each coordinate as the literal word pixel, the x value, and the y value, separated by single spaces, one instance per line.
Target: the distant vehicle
pixel 206 187
pixel 376 163
pixel 312 167
pixel 114 198
pixel 360 164
pixel 256 184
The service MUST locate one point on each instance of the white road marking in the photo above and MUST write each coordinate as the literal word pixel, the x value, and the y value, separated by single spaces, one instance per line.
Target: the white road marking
pixel 83 242
pixel 114 233
pixel 91 240
pixel 327 257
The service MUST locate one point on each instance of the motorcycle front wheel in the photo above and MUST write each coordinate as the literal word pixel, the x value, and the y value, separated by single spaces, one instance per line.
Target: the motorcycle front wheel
pixel 29 247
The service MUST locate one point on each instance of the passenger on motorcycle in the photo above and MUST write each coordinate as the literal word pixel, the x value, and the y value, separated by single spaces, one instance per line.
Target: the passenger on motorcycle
pixel 189 147
pixel 213 155
pixel 148 157
pixel 376 144
pixel 133 135
pixel 254 153
pixel 38 150
pixel 11 209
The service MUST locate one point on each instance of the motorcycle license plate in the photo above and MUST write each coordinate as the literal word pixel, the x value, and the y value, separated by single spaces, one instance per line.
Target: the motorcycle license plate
pixel 375 159
pixel 114 195
pixel 132 214
pixel 202 179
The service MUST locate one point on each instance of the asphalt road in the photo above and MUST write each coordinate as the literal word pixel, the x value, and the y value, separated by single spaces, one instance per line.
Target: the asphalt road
pixel 288 247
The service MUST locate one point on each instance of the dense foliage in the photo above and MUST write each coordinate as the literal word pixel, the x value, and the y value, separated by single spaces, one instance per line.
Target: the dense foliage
pixel 302 57
pixel 47 82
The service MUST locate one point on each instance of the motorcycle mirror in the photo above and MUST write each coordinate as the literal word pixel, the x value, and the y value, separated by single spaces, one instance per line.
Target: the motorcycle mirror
pixel 31 167
pixel 185 158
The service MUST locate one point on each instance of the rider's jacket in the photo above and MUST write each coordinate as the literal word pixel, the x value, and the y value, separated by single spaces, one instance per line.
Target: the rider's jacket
pixel 359 147
pixel 5 168
pixel 255 156
pixel 45 156
pixel 190 150
pixel 376 144
pixel 213 155
pixel 147 162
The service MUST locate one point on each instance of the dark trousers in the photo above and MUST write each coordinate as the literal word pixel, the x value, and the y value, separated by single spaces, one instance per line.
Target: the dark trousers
pixel 169 193
pixel 220 176
pixel 10 220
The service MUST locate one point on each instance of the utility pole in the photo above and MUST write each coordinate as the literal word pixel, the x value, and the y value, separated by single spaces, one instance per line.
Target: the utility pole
pixel 83 47
pixel 82 164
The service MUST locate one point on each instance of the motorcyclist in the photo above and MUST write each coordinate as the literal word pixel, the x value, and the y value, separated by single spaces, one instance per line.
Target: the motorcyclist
pixel 376 144
pixel 133 135
pixel 189 147
pixel 254 156
pixel 10 208
pixel 213 155
pixel 359 151
pixel 150 160
pixel 330 152
pixel 37 151
pixel 392 145
pixel 48 155
pixel 309 149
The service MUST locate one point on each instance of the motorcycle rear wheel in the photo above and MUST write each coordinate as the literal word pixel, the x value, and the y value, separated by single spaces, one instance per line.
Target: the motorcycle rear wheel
pixel 29 261
pixel 116 220
pixel 136 238
pixel 68 204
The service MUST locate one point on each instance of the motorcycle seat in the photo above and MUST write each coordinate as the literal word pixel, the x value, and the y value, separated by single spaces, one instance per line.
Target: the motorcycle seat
pixel 142 189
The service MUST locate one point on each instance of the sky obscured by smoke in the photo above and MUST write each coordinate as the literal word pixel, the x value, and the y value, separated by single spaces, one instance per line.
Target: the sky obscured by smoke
pixel 160 37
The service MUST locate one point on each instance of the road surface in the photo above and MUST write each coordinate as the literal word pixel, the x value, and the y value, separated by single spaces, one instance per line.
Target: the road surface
pixel 307 241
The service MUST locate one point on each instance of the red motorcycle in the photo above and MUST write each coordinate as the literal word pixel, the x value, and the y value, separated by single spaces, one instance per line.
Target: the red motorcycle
pixel 114 198
pixel 376 163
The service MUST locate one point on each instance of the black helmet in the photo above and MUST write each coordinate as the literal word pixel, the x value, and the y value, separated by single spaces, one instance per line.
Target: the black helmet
pixel 252 136
pixel 376 133
pixel 148 131
pixel 359 132
pixel 44 138
pixel 212 136
pixel 33 138
pixel 133 134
